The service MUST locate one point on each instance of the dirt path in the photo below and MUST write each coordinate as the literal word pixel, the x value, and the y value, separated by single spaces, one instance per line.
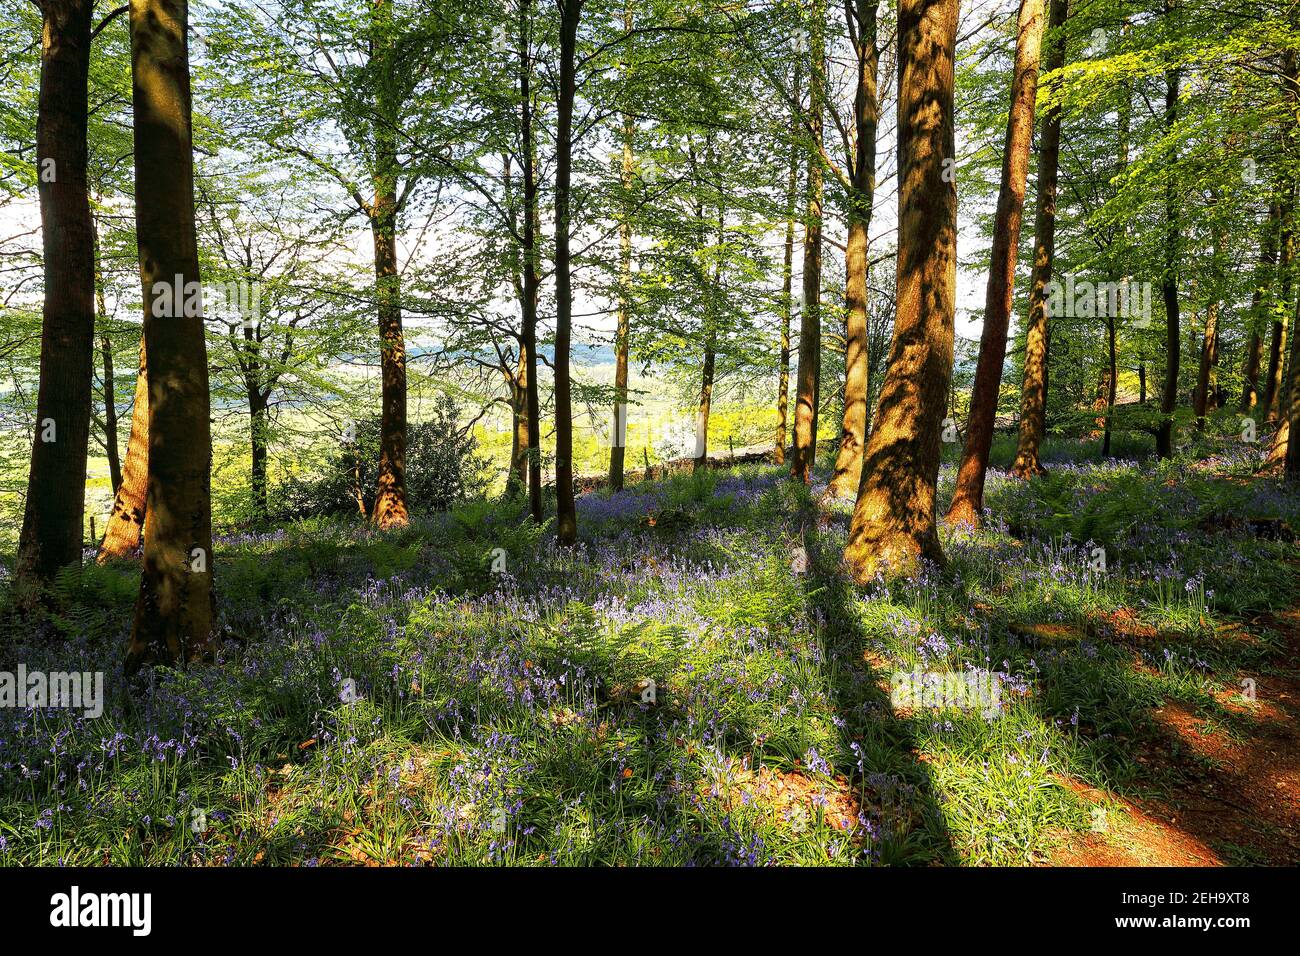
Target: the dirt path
pixel 1238 805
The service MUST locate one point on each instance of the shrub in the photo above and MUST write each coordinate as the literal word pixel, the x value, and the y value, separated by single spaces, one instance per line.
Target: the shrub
pixel 443 468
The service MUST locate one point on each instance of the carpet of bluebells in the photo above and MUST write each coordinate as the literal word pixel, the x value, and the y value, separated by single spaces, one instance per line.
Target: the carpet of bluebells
pixel 697 683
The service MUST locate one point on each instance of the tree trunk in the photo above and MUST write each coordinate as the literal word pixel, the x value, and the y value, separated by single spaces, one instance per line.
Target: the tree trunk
pixel 126 521
pixel 532 281
pixel 847 475
pixel 787 277
pixel 1265 272
pixel 390 509
pixel 1209 358
pixel 1169 282
pixel 56 489
pixel 173 615
pixel 810 330
pixel 1033 390
pixel 968 500
pixel 710 346
pixel 1112 383
pixel 1278 340
pixel 894 520
pixel 518 384
pixel 111 448
pixel 706 401
pixel 566 513
pixel 1288 434
pixel 258 428
pixel 622 338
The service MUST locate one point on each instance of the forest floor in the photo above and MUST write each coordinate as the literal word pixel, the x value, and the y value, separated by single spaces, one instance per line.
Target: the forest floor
pixel 1224 794
pixel 699 683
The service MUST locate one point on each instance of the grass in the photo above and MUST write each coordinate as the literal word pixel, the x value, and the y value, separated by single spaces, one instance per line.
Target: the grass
pixel 505 718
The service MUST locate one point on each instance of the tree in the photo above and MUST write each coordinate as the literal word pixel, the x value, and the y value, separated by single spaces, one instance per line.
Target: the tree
pixel 125 524
pixel 1265 272
pixel 893 524
pixel 861 194
pixel 808 375
pixel 366 100
pixel 566 512
pixel 1033 402
pixel 968 500
pixel 55 507
pixel 622 337
pixel 787 274
pixel 173 614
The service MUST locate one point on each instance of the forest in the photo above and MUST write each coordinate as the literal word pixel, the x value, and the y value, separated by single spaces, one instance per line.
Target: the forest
pixel 649 433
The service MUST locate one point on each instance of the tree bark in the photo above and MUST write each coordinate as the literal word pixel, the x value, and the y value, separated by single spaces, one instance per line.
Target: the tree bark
pixel 787 277
pixel 710 346
pixel 173 615
pixel 532 281
pixel 518 384
pixel 894 520
pixel 1288 434
pixel 1112 382
pixel 126 521
pixel 111 449
pixel 390 510
pixel 1265 272
pixel 258 433
pixel 1278 340
pixel 566 512
pixel 810 331
pixel 1169 282
pixel 1033 391
pixel 847 474
pixel 968 499
pixel 1209 358
pixel 54 511
pixel 622 337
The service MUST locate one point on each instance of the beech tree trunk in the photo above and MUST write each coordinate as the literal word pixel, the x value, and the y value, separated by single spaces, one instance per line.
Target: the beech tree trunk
pixel 1033 390
pixel 125 524
pixel 1112 382
pixel 787 280
pixel 258 434
pixel 1203 401
pixel 1205 397
pixel 622 337
pixel 706 400
pixel 532 281
pixel 847 475
pixel 54 511
pixel 810 329
pixel 894 520
pixel 111 448
pixel 173 615
pixel 518 385
pixel 1169 284
pixel 968 499
pixel 1265 272
pixel 390 510
pixel 1287 440
pixel 1278 339
pixel 566 513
